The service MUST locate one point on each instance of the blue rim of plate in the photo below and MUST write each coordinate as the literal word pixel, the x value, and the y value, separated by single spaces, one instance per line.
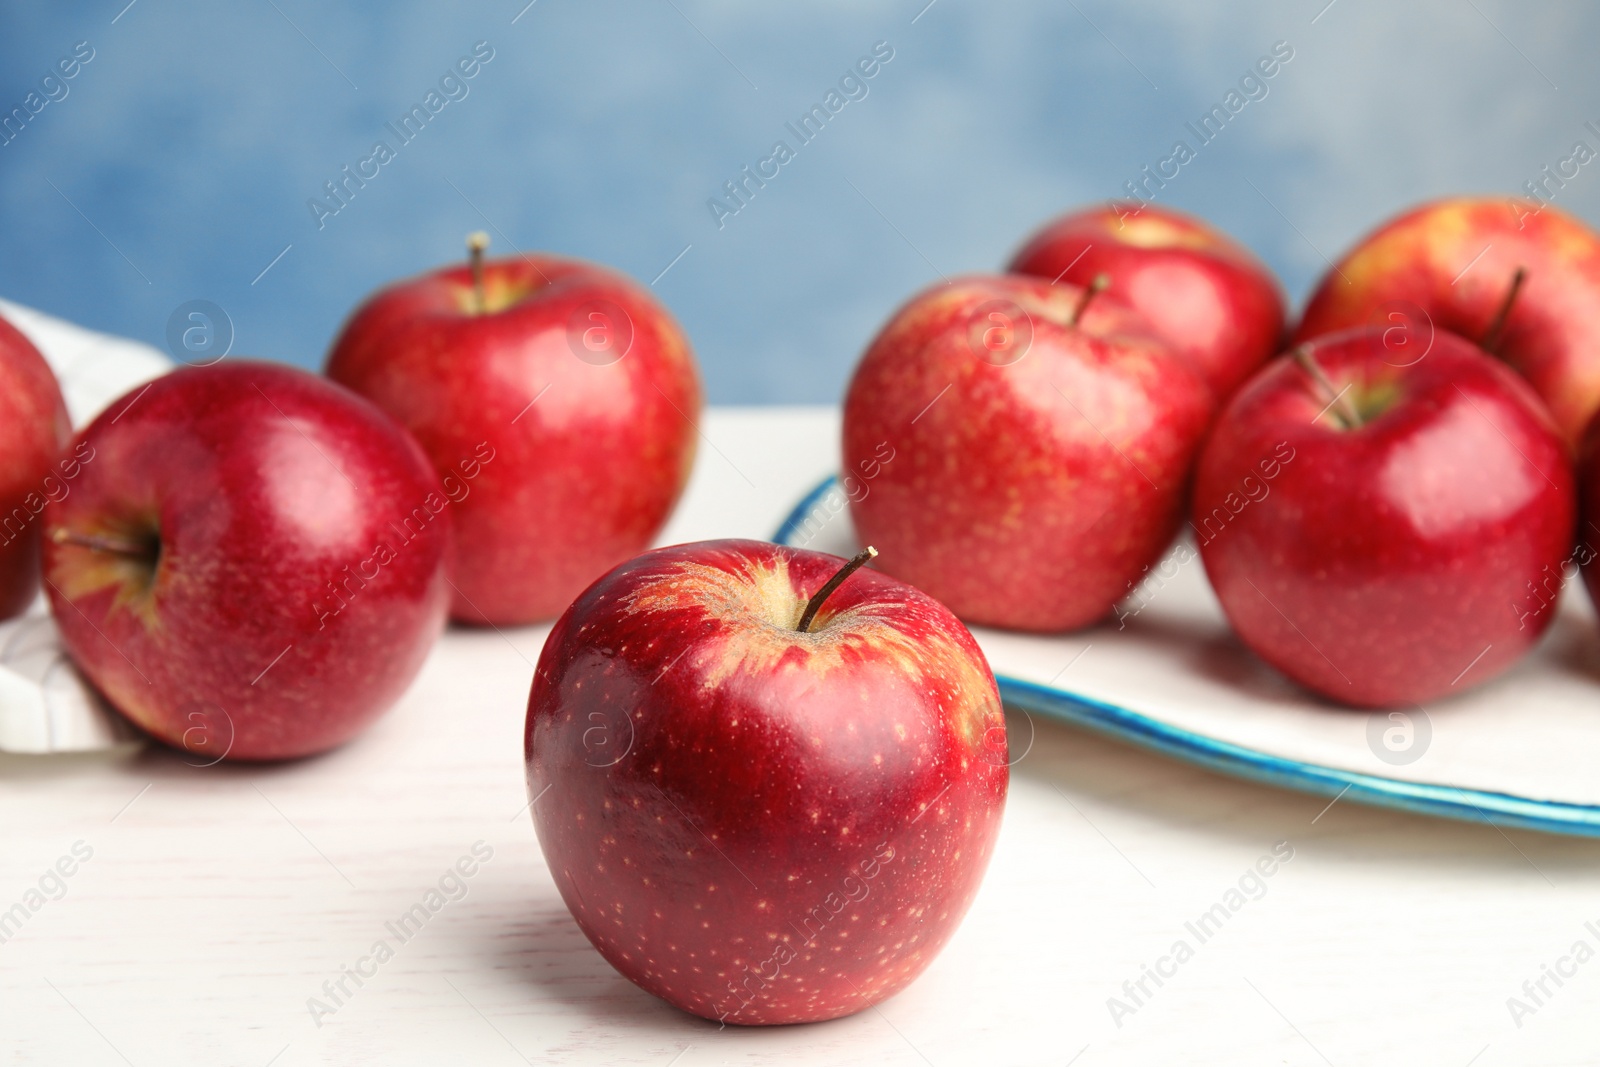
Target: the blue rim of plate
pixel 1445 801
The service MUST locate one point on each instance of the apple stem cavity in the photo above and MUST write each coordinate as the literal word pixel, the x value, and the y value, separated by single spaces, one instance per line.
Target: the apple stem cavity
pixel 1497 326
pixel 1339 403
pixel 477 243
pixel 1100 284
pixel 120 546
pixel 814 605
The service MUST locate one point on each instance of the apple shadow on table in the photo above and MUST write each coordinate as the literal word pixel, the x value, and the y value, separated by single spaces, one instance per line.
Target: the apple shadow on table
pixel 1214 652
pixel 1575 647
pixel 544 949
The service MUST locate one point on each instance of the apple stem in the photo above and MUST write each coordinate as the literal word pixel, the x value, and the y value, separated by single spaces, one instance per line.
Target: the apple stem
pixel 1100 283
pixel 1338 399
pixel 121 546
pixel 477 242
pixel 814 605
pixel 1497 325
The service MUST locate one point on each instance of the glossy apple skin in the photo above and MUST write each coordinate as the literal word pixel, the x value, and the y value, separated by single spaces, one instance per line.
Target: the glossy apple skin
pixel 33 430
pixel 1375 565
pixel 590 456
pixel 706 778
pixel 1028 494
pixel 1424 260
pixel 272 492
pixel 1202 292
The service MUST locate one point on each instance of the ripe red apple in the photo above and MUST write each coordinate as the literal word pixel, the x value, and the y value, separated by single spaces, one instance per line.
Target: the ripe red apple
pixel 33 429
pixel 1450 265
pixel 760 811
pixel 578 382
pixel 1203 293
pixel 1375 531
pixel 252 564
pixel 1037 458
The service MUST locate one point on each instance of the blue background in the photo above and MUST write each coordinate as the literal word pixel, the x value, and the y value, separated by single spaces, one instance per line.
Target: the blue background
pixel 180 162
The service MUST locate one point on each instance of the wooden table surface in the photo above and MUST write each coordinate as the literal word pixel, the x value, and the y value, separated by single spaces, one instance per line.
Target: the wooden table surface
pixel 209 910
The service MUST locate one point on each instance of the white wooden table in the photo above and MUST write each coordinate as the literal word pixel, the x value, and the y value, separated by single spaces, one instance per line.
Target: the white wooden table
pixel 218 901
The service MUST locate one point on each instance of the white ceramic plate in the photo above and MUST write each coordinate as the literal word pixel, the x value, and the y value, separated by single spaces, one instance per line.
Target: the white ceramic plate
pixel 1523 750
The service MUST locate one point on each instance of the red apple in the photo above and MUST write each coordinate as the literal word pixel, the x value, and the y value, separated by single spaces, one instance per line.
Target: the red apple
pixel 1376 531
pixel 1019 462
pixel 1203 293
pixel 760 818
pixel 578 382
pixel 1450 265
pixel 33 429
pixel 252 563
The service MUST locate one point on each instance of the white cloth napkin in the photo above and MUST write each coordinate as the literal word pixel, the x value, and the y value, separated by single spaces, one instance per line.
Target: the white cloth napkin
pixel 45 704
